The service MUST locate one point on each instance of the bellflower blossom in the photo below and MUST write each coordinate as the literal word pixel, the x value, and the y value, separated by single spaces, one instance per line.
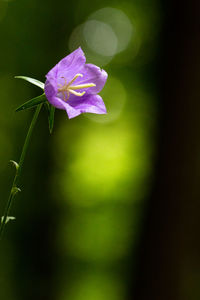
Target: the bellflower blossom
pixel 73 85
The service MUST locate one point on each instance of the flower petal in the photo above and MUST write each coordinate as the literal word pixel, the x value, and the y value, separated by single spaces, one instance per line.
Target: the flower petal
pixel 92 74
pixel 69 66
pixel 53 73
pixel 50 88
pixel 85 104
pixel 58 103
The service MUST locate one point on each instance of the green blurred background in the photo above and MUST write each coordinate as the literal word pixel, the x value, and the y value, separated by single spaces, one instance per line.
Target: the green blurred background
pixel 90 191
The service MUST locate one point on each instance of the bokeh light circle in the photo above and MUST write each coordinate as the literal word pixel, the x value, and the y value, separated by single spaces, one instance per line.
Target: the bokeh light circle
pixel 106 32
pixel 77 39
pixel 100 38
pixel 119 22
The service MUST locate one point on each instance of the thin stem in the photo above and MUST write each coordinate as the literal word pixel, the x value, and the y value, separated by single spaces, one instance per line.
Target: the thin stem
pixel 14 190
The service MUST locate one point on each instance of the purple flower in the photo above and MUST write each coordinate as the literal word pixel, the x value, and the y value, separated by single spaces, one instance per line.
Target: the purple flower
pixel 73 85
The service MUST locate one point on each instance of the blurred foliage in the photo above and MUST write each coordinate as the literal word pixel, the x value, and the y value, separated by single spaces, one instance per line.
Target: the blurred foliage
pixel 83 188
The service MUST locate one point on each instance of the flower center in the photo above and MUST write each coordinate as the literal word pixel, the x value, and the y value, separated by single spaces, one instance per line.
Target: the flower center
pixel 68 88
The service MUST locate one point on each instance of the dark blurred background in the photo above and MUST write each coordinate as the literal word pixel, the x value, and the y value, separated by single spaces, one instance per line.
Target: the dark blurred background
pixel 109 208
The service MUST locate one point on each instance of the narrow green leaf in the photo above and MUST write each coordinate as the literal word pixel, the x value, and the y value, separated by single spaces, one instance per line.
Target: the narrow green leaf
pixel 7 219
pixel 51 110
pixel 15 164
pixel 32 80
pixel 51 117
pixel 15 190
pixel 33 102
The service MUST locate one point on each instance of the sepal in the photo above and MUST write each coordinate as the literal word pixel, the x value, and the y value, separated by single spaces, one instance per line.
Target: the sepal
pixel 51 111
pixel 33 102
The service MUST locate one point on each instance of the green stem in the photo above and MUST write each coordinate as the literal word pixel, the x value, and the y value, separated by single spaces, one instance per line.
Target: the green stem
pixel 14 190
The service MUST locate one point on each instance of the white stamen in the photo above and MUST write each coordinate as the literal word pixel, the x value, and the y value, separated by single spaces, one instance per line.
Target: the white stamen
pixel 68 88
pixel 76 93
pixel 82 86
pixel 76 76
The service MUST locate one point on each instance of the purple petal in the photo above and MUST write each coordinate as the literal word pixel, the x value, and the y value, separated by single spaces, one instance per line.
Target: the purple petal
pixel 57 102
pixel 92 74
pixel 52 74
pixel 85 104
pixel 50 88
pixel 69 66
